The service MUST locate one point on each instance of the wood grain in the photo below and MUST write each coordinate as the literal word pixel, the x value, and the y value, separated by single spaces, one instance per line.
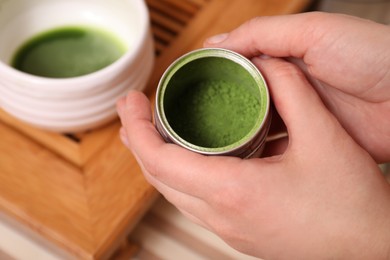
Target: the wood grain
pixel 44 191
pixel 56 143
pixel 118 195
pixel 85 192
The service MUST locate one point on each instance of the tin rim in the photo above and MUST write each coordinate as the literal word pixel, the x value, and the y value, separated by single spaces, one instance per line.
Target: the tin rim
pixel 256 75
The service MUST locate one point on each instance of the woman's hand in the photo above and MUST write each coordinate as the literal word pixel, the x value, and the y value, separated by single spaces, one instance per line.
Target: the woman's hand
pixel 346 59
pixel 323 198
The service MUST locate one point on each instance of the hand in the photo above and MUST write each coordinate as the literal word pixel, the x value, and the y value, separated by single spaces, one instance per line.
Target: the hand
pixel 323 198
pixel 347 60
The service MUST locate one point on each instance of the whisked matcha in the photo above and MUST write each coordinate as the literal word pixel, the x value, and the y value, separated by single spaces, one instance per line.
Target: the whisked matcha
pixel 68 52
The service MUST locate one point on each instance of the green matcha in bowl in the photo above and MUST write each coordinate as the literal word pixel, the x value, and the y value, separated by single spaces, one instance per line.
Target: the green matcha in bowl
pixel 63 64
pixel 214 102
pixel 68 51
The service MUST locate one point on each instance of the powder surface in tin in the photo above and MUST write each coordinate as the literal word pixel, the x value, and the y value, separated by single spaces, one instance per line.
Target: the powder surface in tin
pixel 214 113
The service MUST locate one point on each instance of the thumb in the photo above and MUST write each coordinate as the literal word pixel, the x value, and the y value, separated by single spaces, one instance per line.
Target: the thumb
pixel 306 117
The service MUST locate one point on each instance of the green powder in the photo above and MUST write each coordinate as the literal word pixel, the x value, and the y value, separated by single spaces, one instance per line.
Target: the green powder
pixel 214 113
pixel 68 52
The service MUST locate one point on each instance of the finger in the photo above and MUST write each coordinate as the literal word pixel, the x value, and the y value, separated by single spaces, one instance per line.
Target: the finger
pixel 295 35
pixel 181 200
pixel 193 206
pixel 295 100
pixel 169 164
pixel 280 36
pixel 326 42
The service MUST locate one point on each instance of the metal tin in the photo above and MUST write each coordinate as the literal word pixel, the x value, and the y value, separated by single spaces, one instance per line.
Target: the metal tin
pixel 200 65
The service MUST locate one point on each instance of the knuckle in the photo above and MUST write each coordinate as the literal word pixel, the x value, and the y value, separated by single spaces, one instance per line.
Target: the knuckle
pixel 287 69
pixel 152 166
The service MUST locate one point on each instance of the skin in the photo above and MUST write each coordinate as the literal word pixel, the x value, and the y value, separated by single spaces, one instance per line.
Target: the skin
pixel 318 194
pixel 345 58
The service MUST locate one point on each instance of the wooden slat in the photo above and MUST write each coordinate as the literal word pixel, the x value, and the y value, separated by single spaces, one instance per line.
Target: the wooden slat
pixel 126 251
pixel 166 22
pixel 185 6
pixel 57 143
pixel 96 141
pixel 173 13
pixel 118 195
pixel 33 186
pixel 199 2
pixel 160 47
pixel 162 36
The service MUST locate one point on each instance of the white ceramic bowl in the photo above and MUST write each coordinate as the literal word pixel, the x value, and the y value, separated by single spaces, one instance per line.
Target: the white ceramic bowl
pixel 79 103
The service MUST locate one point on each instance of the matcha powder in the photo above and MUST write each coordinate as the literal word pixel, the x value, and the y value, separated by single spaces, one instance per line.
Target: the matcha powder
pixel 68 52
pixel 214 113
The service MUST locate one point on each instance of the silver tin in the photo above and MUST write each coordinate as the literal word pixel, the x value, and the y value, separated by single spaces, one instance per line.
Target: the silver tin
pixel 249 146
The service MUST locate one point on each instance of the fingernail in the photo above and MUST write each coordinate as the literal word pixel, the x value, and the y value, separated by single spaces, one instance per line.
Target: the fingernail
pixel 217 38
pixel 123 137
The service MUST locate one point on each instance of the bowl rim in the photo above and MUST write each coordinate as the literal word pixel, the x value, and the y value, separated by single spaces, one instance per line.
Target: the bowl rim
pixel 83 83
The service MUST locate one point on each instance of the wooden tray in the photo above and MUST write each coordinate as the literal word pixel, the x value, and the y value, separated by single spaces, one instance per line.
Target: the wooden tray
pixel 85 192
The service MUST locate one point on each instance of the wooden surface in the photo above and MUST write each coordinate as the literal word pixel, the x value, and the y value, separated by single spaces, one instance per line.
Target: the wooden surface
pixel 84 191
